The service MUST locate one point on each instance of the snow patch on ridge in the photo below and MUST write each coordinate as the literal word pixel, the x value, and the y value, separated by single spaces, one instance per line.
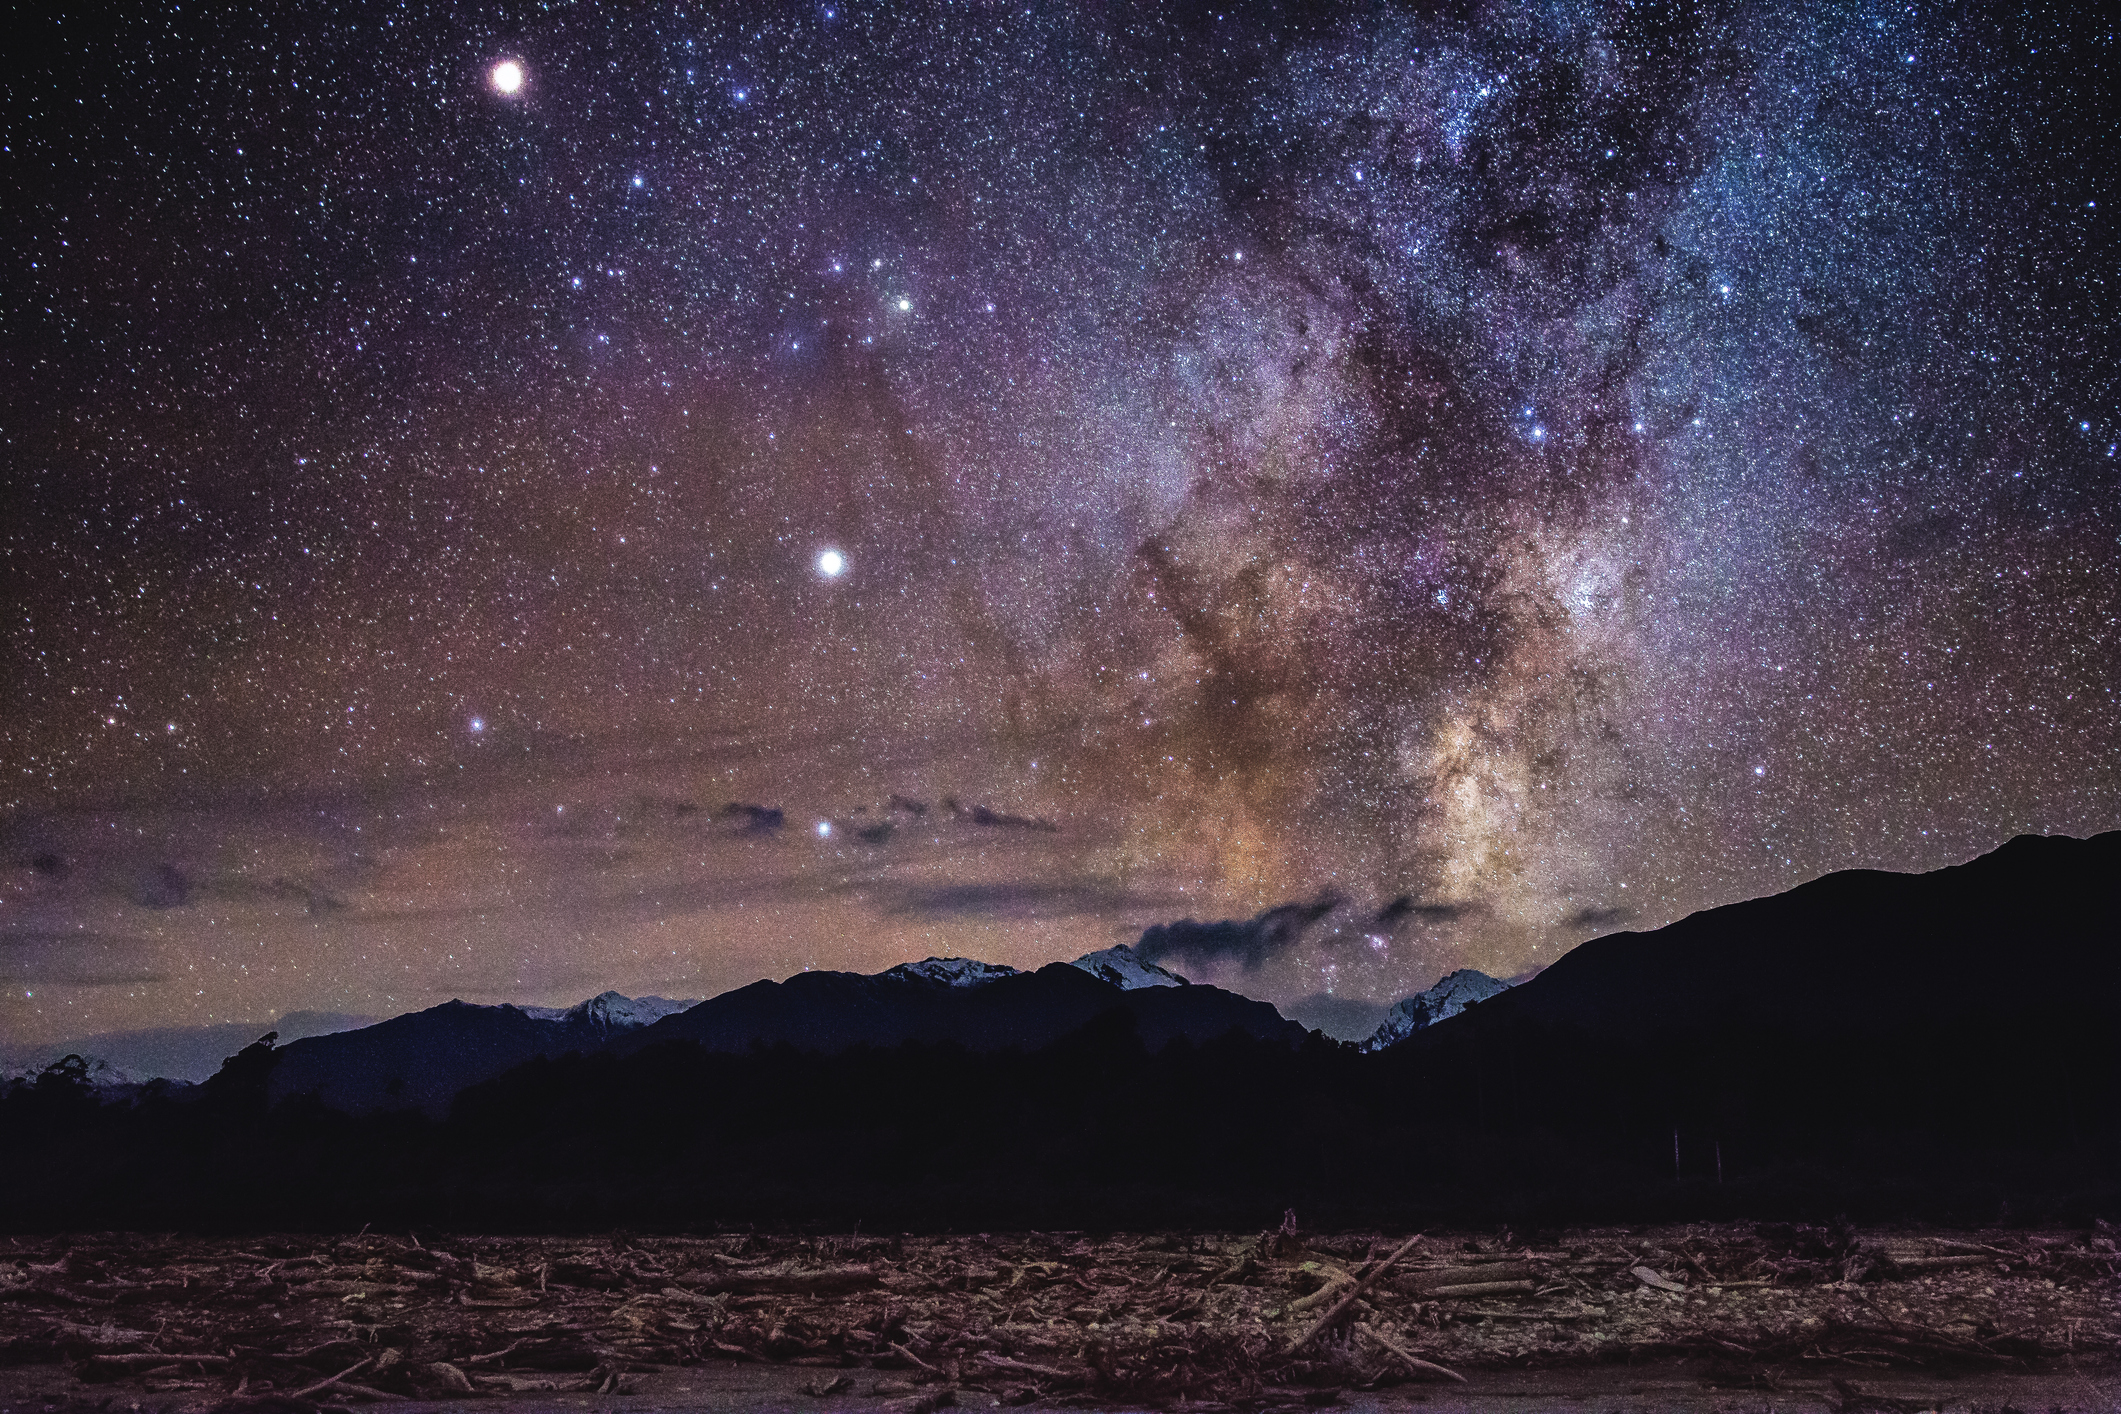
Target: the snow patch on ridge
pixel 1123 968
pixel 951 971
pixel 611 1011
pixel 1450 996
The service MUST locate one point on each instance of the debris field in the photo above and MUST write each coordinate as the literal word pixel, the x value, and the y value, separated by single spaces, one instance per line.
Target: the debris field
pixel 1194 1320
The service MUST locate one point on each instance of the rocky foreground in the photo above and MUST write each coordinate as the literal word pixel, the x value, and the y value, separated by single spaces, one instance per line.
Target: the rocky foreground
pixel 911 1323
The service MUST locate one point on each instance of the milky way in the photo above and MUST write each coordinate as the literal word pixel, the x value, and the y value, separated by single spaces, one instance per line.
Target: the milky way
pixel 1477 476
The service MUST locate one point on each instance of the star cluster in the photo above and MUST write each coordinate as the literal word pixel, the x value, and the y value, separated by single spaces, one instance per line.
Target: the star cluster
pixel 508 500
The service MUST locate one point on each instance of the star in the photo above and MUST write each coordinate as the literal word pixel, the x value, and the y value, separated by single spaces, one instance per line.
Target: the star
pixel 506 77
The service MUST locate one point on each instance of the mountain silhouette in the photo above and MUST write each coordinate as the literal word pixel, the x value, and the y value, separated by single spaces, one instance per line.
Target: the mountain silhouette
pixel 424 1059
pixel 2032 927
pixel 421 1060
pixel 829 1012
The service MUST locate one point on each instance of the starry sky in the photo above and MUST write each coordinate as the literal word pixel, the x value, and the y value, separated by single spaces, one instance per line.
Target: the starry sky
pixel 505 502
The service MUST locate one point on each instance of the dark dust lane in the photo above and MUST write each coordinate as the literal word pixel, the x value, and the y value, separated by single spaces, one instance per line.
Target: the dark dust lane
pixel 1730 1317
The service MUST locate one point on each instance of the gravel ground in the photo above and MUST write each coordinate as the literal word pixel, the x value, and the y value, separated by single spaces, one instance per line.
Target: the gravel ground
pixel 1753 1316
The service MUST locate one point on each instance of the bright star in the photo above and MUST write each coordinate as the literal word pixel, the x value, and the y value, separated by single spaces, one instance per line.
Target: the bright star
pixel 905 305
pixel 507 77
pixel 831 564
pixel 478 724
pixel 824 829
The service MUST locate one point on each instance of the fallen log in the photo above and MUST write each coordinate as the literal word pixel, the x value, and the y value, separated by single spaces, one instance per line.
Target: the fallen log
pixel 826 1281
pixel 104 1368
pixel 1047 1372
pixel 1482 1288
pixel 1425 1283
pixel 368 1392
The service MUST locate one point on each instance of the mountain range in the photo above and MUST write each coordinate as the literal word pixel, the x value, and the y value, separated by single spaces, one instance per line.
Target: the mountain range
pixel 1945 1044
pixel 1857 950
pixel 424 1059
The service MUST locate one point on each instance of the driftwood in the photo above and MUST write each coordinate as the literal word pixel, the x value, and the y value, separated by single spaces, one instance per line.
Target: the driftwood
pixel 453 1379
pixel 1427 1280
pixel 1336 1283
pixel 117 1366
pixel 335 1379
pixel 1405 1356
pixel 1044 1372
pixel 1142 1320
pixel 1482 1288
pixel 829 1280
pixel 367 1392
pixel 915 1358
pixel 1362 1284
pixel 921 1403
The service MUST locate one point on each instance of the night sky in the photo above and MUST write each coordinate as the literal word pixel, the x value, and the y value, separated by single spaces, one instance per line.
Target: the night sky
pixel 1468 477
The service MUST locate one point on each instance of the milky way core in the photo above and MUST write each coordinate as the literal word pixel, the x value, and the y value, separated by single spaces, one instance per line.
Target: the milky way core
pixel 817 488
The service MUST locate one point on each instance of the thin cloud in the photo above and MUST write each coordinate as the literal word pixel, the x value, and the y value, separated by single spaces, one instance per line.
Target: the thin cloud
pixel 1007 899
pixel 47 957
pixel 1587 919
pixel 1250 941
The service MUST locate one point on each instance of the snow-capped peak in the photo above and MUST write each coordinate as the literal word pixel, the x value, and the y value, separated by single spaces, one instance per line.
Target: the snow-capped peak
pixel 951 971
pixel 96 1072
pixel 1124 968
pixel 613 1011
pixel 1451 995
